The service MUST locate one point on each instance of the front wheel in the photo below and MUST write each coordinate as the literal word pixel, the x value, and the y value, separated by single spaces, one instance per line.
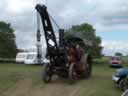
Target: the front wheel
pixel 87 71
pixel 47 74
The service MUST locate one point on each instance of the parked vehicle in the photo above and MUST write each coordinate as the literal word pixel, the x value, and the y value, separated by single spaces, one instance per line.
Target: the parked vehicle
pixel 20 57
pixel 115 61
pixel 32 58
pixel 120 78
pixel 29 58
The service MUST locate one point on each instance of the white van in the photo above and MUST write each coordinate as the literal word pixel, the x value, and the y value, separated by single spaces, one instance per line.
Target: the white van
pixel 20 57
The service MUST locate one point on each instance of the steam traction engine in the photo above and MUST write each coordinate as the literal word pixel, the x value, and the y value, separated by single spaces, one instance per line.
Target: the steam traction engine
pixel 66 58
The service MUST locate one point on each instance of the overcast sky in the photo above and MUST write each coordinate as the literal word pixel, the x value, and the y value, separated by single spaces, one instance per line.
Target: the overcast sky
pixel 109 18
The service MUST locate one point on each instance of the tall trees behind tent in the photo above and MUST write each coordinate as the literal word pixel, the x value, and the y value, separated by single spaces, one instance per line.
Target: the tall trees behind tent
pixel 86 31
pixel 8 46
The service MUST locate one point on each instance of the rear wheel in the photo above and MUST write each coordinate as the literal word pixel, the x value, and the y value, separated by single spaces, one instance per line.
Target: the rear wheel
pixel 87 71
pixel 87 61
pixel 72 74
pixel 47 74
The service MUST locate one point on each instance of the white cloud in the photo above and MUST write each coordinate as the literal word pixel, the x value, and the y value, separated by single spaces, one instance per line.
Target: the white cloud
pixel 105 15
pixel 18 6
pixel 110 47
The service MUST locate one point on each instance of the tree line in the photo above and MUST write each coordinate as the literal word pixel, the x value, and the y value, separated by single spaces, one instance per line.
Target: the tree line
pixel 8 47
pixel 86 31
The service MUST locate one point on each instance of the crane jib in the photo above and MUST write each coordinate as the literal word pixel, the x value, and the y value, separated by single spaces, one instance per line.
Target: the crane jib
pixel 52 47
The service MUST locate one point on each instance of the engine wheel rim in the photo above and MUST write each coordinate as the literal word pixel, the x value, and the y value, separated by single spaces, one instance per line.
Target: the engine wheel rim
pixel 72 74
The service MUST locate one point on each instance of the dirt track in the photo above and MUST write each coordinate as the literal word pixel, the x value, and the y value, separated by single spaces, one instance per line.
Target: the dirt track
pixel 25 87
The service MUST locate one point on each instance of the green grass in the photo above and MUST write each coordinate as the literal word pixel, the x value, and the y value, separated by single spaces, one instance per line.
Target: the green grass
pixel 11 73
pixel 100 84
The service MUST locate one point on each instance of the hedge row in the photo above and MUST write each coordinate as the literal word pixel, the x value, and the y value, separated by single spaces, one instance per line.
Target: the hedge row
pixel 6 60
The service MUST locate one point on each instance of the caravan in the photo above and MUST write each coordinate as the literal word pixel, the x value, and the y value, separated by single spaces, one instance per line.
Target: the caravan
pixel 20 57
pixel 29 58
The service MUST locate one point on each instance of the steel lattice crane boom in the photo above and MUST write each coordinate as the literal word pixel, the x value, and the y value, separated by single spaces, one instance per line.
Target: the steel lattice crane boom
pixel 54 53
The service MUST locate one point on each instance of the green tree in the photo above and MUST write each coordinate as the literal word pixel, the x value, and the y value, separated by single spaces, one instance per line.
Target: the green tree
pixel 8 46
pixel 86 31
pixel 118 54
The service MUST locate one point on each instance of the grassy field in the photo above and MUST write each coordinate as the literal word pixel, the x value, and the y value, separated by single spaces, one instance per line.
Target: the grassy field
pixel 25 80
